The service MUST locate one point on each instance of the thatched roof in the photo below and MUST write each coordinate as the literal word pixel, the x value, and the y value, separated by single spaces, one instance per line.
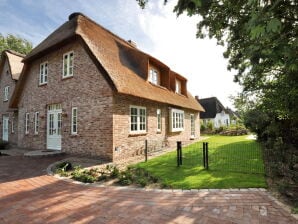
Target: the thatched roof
pixel 14 61
pixel 125 65
pixel 212 107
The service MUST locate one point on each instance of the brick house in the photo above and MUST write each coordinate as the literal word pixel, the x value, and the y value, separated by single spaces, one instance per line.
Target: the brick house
pixel 10 69
pixel 86 90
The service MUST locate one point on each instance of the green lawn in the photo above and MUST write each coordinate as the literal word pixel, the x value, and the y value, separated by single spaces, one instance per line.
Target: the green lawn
pixel 234 162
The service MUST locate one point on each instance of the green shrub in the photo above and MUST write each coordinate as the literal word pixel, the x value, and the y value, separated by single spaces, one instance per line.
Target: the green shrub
pixel 210 125
pixel 85 176
pixel 63 168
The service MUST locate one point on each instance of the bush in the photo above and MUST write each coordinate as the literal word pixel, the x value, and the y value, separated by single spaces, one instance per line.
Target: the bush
pixel 85 176
pixel 210 125
pixel 138 176
pixel 63 168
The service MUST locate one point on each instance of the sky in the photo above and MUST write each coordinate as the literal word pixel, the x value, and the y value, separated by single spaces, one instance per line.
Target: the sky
pixel 156 30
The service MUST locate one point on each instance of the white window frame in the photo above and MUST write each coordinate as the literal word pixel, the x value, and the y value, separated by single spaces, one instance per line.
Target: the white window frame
pixel 69 66
pixel 154 76
pixel 27 123
pixel 176 120
pixel 178 85
pixel 138 120
pixel 43 73
pixel 192 126
pixel 74 121
pixel 159 122
pixel 12 124
pixel 36 123
pixel 6 93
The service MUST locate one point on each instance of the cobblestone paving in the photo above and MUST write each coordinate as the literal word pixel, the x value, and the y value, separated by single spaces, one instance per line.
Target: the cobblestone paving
pixel 29 195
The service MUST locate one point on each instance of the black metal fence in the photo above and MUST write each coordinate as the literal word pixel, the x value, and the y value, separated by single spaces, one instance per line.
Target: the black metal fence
pixel 243 157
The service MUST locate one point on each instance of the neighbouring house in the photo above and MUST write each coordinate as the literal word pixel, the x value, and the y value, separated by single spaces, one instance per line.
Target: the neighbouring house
pixel 85 90
pixel 234 116
pixel 10 69
pixel 215 112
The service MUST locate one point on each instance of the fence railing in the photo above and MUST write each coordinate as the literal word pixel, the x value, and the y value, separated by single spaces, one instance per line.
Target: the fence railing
pixel 236 157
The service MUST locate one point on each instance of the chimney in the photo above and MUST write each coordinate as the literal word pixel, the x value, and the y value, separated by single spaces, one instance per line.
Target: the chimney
pixel 197 98
pixel 132 43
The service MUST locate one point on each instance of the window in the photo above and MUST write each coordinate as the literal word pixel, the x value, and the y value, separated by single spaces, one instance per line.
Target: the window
pixel 177 120
pixel 74 121
pixel 154 76
pixel 178 86
pixel 158 115
pixel 137 119
pixel 192 126
pixel 12 124
pixel 43 73
pixel 68 64
pixel 6 93
pixel 36 122
pixel 27 123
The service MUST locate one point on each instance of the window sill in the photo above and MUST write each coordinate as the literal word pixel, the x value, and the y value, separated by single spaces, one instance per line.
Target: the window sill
pixel 42 84
pixel 132 134
pixel 158 132
pixel 74 135
pixel 177 130
pixel 180 94
pixel 192 138
pixel 5 100
pixel 67 77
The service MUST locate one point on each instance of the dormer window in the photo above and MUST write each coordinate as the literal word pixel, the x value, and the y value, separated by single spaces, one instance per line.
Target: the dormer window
pixel 6 93
pixel 154 76
pixel 178 86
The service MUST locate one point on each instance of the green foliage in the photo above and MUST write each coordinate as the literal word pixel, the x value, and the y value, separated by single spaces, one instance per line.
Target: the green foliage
pixel 210 125
pixel 16 43
pixel 63 169
pixel 85 176
pixel 137 176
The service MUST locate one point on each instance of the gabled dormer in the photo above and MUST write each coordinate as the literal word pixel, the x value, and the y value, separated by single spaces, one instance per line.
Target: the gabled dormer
pixel 178 84
pixel 158 74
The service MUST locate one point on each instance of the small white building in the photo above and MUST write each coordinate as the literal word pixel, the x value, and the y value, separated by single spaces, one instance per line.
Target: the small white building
pixel 214 112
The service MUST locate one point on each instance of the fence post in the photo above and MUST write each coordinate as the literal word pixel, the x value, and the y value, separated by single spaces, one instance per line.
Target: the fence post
pixel 179 154
pixel 146 150
pixel 204 154
pixel 207 159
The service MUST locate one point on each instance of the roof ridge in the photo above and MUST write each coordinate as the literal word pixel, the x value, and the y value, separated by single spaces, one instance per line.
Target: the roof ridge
pixel 15 53
pixel 77 14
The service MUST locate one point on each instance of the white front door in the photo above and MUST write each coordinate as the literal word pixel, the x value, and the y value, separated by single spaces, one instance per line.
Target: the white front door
pixel 5 129
pixel 54 127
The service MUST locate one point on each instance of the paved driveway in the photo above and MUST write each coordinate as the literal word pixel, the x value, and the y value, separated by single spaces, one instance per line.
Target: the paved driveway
pixel 28 195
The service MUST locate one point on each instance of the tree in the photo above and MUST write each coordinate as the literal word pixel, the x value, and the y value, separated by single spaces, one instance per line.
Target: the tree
pixel 261 39
pixel 261 45
pixel 16 43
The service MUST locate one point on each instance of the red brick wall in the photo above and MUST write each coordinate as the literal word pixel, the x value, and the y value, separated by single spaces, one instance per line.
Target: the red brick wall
pixel 6 80
pixel 127 144
pixel 87 90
